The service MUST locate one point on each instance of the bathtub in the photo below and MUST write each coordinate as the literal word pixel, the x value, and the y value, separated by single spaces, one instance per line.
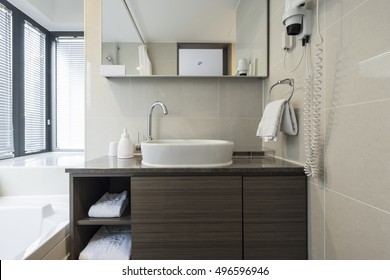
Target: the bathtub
pixel 34 227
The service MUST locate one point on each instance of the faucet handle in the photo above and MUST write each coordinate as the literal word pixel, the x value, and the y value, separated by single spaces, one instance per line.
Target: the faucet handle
pixel 137 146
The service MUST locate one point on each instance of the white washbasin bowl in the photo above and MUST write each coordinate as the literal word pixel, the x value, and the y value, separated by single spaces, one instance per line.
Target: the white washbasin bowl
pixel 187 153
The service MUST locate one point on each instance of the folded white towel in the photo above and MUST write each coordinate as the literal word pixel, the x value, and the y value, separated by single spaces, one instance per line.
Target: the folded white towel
pixel 109 205
pixel 108 243
pixel 278 115
pixel 270 121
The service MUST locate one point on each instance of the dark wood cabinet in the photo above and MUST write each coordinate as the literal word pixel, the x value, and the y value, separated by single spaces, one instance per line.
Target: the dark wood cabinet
pixel 198 217
pixel 186 217
pixel 84 192
pixel 275 218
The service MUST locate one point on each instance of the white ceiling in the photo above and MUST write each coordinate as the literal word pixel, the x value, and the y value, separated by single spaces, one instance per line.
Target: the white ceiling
pixel 54 15
pixel 158 20
pixel 171 20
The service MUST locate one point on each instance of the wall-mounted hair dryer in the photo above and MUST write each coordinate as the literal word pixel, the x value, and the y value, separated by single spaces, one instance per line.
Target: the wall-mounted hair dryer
pixel 297 19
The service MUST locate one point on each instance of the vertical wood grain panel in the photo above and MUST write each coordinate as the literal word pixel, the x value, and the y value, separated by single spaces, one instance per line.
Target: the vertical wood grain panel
pixel 186 218
pixel 275 217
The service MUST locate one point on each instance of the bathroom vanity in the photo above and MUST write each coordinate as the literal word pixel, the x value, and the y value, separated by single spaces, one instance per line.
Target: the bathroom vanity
pixel 252 209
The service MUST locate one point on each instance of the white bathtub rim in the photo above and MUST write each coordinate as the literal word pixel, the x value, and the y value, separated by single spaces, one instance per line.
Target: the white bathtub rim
pixel 43 245
pixel 60 218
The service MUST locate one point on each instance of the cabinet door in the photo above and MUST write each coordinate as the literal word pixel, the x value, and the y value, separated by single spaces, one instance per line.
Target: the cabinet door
pixel 186 217
pixel 275 218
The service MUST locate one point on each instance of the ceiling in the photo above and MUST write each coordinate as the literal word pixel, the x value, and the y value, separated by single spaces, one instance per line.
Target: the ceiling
pixel 170 20
pixel 54 15
pixel 158 20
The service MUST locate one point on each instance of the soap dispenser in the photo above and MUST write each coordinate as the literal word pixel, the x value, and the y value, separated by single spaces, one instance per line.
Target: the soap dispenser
pixel 125 147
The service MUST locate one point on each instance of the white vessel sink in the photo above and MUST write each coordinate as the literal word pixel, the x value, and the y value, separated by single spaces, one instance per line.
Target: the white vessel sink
pixel 187 153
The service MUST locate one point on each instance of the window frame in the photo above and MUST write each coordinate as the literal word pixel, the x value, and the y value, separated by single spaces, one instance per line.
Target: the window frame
pixel 53 104
pixel 18 20
pixel 8 151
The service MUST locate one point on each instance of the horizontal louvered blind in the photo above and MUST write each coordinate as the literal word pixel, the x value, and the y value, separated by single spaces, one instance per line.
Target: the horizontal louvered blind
pixel 34 89
pixel 6 127
pixel 70 93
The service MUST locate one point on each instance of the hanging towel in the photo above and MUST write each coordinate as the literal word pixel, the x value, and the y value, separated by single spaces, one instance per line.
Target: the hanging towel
pixel 108 243
pixel 278 116
pixel 109 205
pixel 144 62
pixel 289 123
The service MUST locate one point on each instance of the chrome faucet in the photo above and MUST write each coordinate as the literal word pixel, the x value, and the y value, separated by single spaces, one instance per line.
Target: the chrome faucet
pixel 165 110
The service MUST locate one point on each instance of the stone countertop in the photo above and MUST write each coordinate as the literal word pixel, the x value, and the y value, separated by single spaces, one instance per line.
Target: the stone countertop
pixel 266 165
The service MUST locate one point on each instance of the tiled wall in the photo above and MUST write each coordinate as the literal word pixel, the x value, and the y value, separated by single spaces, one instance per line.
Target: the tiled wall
pixel 163 56
pixel 252 32
pixel 217 108
pixel 349 212
pixel 349 209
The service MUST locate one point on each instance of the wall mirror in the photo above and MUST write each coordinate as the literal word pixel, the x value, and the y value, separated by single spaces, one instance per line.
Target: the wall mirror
pixel 229 33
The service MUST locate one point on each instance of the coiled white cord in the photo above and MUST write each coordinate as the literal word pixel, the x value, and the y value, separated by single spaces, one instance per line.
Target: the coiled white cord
pixel 299 63
pixel 312 108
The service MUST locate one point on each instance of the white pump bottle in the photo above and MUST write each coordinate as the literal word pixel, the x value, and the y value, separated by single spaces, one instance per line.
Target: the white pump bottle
pixel 125 146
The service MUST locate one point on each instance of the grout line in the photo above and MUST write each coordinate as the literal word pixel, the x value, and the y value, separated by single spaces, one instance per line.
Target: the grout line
pixel 343 16
pixel 324 223
pixel 358 104
pixel 281 6
pixel 288 160
pixel 359 201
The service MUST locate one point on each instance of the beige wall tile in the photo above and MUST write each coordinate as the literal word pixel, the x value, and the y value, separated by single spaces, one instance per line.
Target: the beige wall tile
pixel 276 27
pixel 357 152
pixel 354 230
pixel 187 128
pixel 110 99
pixel 240 100
pixel 164 67
pixel 163 57
pixel 242 132
pixel 275 6
pixel 102 131
pixel 159 50
pixel 184 97
pixel 316 216
pixel 336 9
pixel 351 70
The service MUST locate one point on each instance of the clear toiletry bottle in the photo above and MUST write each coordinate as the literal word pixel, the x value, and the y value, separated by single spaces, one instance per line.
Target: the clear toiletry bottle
pixel 125 146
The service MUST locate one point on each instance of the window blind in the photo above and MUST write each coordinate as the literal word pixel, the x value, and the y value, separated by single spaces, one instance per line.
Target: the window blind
pixel 34 89
pixel 70 93
pixel 6 126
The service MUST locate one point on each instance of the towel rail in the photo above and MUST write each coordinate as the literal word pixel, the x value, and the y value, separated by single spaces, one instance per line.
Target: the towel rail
pixel 290 82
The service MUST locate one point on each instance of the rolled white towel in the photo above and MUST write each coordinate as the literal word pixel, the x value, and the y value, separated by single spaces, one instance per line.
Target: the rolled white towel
pixel 109 205
pixel 108 243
